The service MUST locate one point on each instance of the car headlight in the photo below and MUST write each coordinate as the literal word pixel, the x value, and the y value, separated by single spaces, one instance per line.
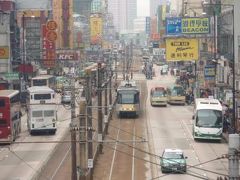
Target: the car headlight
pixel 166 164
pixel 182 165
pixel 198 132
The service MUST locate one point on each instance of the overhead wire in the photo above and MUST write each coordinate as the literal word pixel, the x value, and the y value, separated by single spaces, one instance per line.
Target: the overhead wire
pixel 160 157
pixel 139 158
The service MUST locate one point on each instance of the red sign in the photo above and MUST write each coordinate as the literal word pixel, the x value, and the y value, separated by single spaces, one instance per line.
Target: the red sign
pixel 51 36
pixel 51 25
pixel 49 52
pixel 155 36
pixel 67 56
pixel 25 68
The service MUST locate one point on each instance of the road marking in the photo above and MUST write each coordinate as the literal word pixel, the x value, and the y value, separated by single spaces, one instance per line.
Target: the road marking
pixel 55 172
pixel 114 155
pixel 133 158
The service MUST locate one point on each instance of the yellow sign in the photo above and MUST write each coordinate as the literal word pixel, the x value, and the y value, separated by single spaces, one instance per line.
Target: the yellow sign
pixel 4 52
pixel 195 25
pixel 182 49
pixel 96 26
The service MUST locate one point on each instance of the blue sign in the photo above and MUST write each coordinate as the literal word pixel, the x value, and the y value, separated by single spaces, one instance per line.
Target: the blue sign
pixel 209 71
pixel 174 26
pixel 148 25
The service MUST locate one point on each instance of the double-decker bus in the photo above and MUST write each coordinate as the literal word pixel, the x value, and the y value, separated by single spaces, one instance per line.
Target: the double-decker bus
pixel 128 99
pixel 10 115
pixel 207 119
pixel 44 80
pixel 42 110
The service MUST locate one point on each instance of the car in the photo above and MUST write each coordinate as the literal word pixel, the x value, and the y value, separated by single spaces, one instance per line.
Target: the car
pixel 158 96
pixel 173 160
pixel 66 97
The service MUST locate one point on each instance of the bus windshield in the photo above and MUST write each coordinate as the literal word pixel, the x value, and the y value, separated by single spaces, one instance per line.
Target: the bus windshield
pixel 209 118
pixel 128 98
pixel 39 82
pixel 177 91
pixel 159 94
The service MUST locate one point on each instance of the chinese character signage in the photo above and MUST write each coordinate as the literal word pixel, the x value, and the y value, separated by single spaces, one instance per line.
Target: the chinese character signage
pixel 49 53
pixel 96 26
pixel 148 25
pixel 177 26
pixel 4 52
pixel 195 26
pixel 182 49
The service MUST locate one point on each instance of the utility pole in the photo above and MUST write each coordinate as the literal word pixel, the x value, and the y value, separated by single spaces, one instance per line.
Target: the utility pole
pixel 99 94
pixel 88 91
pixel 233 159
pixel 116 73
pixel 82 139
pixel 106 102
pixel 110 85
pixel 73 132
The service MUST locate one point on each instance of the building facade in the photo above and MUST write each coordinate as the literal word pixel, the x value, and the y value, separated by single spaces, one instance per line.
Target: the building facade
pixel 124 12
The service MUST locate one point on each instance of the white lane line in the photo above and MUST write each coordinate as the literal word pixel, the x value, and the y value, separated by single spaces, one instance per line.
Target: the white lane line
pixel 113 159
pixel 186 128
pixel 133 158
pixel 55 172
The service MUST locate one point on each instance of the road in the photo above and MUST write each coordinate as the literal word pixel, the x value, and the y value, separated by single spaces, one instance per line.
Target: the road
pixel 127 155
pixel 171 127
pixel 25 159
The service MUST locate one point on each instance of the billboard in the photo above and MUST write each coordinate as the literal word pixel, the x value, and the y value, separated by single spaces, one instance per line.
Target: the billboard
pixel 173 26
pixel 196 25
pixel 209 72
pixel 4 52
pixel 96 26
pixel 49 53
pixel 148 25
pixel 182 49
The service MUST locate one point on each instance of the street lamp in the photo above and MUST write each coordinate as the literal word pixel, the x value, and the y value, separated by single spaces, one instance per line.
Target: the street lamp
pixel 233 123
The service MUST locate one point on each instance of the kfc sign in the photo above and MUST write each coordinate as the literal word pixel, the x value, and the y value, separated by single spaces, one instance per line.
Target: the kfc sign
pixel 67 56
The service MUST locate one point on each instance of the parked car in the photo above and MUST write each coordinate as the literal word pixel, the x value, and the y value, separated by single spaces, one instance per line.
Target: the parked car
pixel 173 160
pixel 66 97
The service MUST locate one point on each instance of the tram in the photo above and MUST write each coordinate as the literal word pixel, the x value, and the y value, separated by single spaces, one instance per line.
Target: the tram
pixel 128 99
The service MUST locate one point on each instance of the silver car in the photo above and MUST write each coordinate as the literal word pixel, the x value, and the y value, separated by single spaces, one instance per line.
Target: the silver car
pixel 66 97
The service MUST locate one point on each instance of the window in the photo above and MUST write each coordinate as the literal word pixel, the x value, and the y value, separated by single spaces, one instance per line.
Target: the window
pixel 39 82
pixel 173 155
pixel 37 114
pixel 49 113
pixel 129 97
pixel 2 102
pixel 42 96
pixel 209 118
pixel 3 123
pixel 15 99
pixel 159 94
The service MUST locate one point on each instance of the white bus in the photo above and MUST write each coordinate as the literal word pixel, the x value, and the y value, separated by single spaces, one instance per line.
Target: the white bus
pixel 42 110
pixel 44 80
pixel 207 119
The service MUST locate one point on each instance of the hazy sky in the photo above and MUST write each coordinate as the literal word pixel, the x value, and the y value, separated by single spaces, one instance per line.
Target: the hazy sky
pixel 143 8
